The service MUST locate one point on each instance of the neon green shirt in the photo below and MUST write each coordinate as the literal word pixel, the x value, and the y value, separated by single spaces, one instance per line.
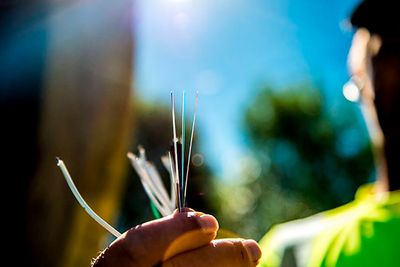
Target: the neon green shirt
pixel 365 232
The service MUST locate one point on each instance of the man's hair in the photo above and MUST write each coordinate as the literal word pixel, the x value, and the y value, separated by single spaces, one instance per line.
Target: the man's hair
pixel 381 17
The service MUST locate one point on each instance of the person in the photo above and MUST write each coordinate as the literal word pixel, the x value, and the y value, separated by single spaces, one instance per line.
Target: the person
pixel 181 239
pixel 365 232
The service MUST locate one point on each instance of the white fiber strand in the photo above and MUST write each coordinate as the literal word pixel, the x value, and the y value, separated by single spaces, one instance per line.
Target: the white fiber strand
pixel 82 202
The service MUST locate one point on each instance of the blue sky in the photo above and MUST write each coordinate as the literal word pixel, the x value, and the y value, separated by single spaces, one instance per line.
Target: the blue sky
pixel 227 49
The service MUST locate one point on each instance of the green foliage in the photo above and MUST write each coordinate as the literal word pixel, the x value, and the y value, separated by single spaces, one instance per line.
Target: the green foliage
pixel 307 161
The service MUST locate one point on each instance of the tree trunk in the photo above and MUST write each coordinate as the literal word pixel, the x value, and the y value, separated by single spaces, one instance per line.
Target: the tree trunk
pixel 85 119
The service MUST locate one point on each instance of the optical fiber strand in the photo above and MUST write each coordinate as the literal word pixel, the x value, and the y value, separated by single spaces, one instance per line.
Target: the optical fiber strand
pixel 82 202
pixel 183 183
pixel 190 145
pixel 175 151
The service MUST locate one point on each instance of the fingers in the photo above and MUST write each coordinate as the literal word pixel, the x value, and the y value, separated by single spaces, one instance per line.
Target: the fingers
pixel 220 253
pixel 156 241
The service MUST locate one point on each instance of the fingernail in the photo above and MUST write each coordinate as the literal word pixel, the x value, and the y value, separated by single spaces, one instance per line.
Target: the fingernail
pixel 208 223
pixel 252 249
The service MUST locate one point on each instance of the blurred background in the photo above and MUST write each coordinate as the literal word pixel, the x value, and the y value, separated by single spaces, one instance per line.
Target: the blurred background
pixel 90 80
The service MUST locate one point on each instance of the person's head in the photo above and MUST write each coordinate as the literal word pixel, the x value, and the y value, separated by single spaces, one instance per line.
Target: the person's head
pixel 374 63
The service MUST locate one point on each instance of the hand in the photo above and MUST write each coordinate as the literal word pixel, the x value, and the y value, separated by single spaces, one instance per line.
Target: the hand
pixel 181 239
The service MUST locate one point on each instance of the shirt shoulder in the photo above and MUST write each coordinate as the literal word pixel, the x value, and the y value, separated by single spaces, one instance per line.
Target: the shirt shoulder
pixel 323 239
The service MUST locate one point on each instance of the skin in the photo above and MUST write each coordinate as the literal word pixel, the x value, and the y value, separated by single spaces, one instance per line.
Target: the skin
pixel 375 60
pixel 181 239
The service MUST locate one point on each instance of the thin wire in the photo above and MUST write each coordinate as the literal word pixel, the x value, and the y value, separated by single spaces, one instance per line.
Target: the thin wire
pixel 151 191
pixel 175 150
pixel 183 150
pixel 82 202
pixel 152 174
pixel 157 183
pixel 176 183
pixel 152 184
pixel 145 182
pixel 190 145
pixel 167 162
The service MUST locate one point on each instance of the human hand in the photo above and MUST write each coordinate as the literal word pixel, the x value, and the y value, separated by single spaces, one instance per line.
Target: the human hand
pixel 181 239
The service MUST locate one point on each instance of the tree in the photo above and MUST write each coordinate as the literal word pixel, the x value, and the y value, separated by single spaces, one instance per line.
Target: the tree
pixel 308 161
pixel 66 83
